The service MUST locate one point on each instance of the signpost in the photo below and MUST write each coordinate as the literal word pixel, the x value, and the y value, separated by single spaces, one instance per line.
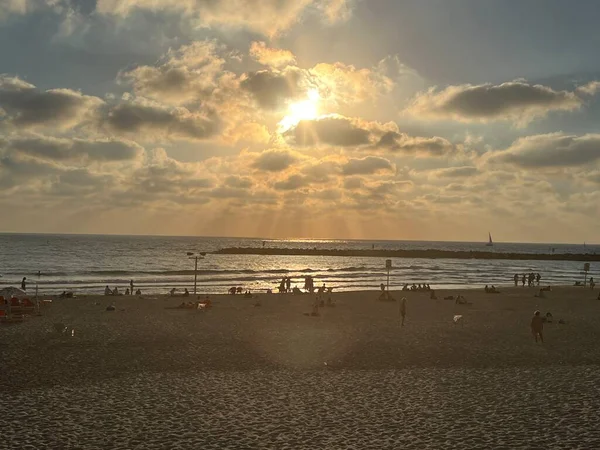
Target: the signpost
pixel 388 266
pixel 195 258
pixel 586 269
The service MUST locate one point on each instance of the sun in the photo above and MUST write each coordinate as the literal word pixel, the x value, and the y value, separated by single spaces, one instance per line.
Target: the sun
pixel 305 110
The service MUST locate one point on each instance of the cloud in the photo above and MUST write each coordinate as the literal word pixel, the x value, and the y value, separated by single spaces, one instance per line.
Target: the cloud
pixel 155 120
pixel 189 73
pixel 162 178
pixel 348 85
pixel 551 151
pixel 274 160
pixel 456 172
pixel 73 150
pixel 269 17
pixel 366 166
pixel 291 183
pixel 340 131
pixel 352 183
pixel 274 57
pixel 234 181
pixel 26 106
pixel 403 143
pixel 516 101
pixel 334 130
pixel 590 88
pixel 273 89
pixel 8 7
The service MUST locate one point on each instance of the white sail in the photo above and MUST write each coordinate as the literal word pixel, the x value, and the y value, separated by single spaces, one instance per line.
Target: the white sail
pixel 490 242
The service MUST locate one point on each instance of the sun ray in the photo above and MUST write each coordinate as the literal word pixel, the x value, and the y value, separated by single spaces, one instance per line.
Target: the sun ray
pixel 307 109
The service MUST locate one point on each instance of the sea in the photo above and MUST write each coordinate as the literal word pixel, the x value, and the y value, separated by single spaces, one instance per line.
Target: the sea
pixel 86 264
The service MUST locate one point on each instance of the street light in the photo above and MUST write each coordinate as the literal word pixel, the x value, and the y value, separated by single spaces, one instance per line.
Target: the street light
pixel 196 258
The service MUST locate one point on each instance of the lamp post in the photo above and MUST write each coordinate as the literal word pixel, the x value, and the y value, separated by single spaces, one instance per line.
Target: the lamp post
pixel 388 266
pixel 196 258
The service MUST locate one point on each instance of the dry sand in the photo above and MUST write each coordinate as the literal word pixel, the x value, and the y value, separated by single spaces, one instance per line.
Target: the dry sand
pixel 239 376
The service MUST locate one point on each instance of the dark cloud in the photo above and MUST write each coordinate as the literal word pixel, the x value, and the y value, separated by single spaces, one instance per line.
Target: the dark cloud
pixel 272 90
pixel 594 177
pixel 457 172
pixel 336 131
pixel 268 17
pixel 82 177
pixel 274 160
pixel 516 100
pixel 353 183
pixel 403 143
pixel 321 172
pixel 291 183
pixel 14 165
pixel 235 181
pixel 551 151
pixel 61 149
pixel 27 106
pixel 229 192
pixel 366 166
pixel 190 73
pixel 178 123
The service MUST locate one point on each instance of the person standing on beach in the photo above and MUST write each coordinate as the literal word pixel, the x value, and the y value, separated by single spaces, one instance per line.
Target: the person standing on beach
pixel 24 283
pixel 538 277
pixel 537 326
pixel 524 279
pixel 131 286
pixel 516 278
pixel 288 284
pixel 403 310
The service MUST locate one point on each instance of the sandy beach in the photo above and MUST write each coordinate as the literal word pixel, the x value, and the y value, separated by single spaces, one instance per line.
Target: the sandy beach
pixel 242 376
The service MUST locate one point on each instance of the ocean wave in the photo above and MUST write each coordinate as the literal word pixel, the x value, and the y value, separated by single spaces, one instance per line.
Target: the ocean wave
pixel 159 273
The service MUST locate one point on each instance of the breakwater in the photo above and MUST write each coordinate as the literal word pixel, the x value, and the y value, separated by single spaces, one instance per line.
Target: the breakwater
pixel 390 253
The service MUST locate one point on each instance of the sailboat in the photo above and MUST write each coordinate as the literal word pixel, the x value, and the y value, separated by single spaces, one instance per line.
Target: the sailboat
pixel 489 243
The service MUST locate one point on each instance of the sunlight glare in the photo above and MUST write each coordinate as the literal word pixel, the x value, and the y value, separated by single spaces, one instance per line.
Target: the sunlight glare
pixel 304 110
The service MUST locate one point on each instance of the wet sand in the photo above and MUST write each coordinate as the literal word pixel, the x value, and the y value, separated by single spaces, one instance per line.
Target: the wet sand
pixel 240 376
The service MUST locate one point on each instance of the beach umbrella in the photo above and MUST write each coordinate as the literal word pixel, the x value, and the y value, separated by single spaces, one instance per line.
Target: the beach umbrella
pixel 9 292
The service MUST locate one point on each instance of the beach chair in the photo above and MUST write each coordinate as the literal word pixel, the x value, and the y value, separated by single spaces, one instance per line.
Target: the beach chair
pixel 27 306
pixel 4 316
pixel 15 305
pixel 7 315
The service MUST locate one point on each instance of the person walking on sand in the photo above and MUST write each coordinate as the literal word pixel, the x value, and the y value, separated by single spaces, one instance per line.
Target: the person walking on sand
pixel 538 277
pixel 524 279
pixel 537 326
pixel 24 283
pixel 131 286
pixel 516 278
pixel 402 310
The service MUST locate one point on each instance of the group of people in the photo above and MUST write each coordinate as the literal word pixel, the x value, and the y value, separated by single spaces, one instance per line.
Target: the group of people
pixel 285 286
pixel 128 291
pixel 537 324
pixel 204 304
pixel 530 279
pixel 491 290
pixel 309 284
pixel 320 302
pixel 417 287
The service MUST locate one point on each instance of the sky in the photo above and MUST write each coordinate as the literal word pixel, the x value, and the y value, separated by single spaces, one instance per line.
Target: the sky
pixel 350 119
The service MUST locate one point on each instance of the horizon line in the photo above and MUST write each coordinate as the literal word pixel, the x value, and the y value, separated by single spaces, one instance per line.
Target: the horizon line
pixel 286 239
